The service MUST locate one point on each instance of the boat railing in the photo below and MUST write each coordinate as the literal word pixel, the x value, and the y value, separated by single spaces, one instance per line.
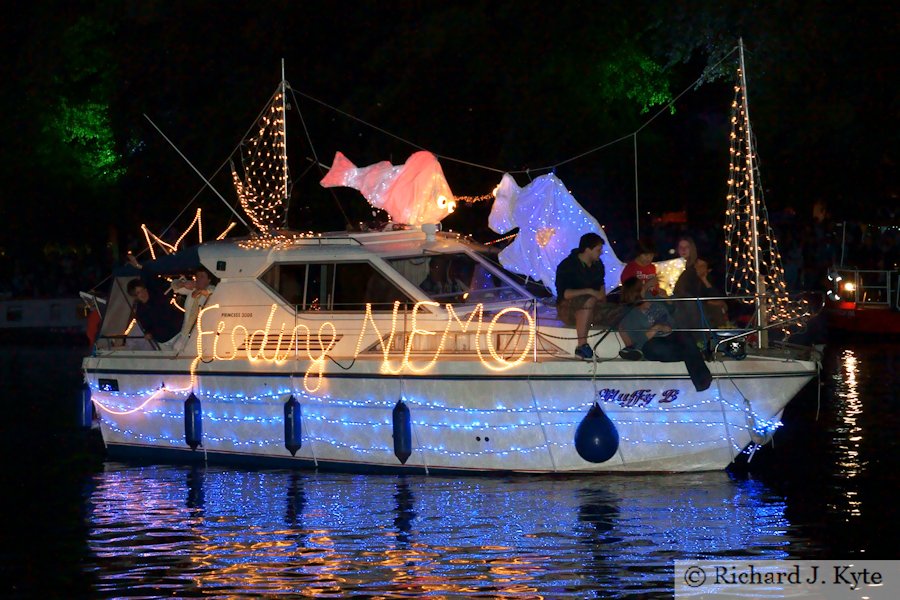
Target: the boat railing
pixel 733 337
pixel 865 287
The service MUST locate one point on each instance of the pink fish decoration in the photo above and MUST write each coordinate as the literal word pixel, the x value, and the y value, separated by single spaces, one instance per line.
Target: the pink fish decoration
pixel 413 193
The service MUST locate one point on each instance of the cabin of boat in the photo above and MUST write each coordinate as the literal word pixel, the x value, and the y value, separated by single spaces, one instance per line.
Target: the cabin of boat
pixel 865 301
pixel 327 351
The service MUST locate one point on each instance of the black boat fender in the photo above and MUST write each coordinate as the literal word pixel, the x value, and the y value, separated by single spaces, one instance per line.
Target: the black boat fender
pixel 193 421
pixel 293 431
pixel 402 431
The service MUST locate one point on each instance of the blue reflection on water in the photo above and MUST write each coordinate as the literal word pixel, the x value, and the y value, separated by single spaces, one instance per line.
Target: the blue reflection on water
pixel 216 531
pixel 829 488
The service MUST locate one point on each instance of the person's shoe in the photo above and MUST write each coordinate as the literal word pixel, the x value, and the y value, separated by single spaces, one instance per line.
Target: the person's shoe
pixel 630 353
pixel 584 351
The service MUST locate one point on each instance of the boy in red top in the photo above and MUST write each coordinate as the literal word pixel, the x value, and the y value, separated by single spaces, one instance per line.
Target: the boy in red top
pixel 642 266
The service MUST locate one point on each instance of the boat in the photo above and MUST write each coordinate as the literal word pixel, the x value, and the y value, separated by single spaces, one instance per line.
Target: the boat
pixel 328 351
pixel 42 319
pixel 863 301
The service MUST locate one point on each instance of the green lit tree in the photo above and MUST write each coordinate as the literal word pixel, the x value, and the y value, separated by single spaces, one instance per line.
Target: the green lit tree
pixel 76 135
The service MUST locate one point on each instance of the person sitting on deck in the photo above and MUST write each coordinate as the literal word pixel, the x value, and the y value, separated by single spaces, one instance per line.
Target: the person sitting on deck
pixel 440 280
pixel 581 291
pixel 694 283
pixel 196 292
pixel 655 340
pixel 642 266
pixel 715 311
pixel 159 320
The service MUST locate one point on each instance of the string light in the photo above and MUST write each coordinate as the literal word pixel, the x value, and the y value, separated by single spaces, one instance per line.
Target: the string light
pixel 474 199
pixel 152 238
pixel 255 343
pixel 245 421
pixel 501 240
pixel 227 229
pixel 740 253
pixel 263 189
pixel 277 241
pixel 667 273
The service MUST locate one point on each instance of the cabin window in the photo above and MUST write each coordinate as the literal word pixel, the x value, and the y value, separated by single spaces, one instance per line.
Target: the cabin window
pixel 333 286
pixel 456 279
pixel 535 288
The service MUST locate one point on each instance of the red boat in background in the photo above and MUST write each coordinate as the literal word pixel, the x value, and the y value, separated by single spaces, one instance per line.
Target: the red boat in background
pixel 864 301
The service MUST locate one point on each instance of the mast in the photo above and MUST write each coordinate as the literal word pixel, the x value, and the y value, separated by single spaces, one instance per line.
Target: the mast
pixel 284 140
pixel 761 317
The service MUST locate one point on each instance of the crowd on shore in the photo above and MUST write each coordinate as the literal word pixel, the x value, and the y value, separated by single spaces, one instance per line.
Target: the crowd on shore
pixel 60 272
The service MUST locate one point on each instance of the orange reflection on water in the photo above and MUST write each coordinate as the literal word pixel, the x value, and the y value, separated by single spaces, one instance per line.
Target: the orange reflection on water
pixel 849 432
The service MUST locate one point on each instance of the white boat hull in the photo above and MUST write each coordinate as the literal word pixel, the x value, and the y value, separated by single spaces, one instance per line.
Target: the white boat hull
pixel 463 416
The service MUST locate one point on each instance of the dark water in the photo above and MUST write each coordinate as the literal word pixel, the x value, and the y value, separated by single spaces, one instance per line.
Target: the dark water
pixel 76 526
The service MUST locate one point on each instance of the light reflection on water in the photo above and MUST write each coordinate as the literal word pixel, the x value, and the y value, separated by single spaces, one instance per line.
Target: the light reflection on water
pixel 82 528
pixel 211 531
pixel 848 432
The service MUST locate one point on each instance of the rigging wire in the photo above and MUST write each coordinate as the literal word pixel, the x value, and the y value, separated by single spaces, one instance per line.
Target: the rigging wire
pixel 528 172
pixel 316 160
pixel 230 156
pixel 548 168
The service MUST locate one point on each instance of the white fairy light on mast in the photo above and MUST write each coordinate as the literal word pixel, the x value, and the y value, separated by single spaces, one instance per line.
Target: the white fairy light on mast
pixel 753 263
pixel 263 190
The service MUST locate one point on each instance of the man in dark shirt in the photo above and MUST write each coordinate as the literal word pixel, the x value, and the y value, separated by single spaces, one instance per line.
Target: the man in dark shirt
pixel 156 315
pixel 580 291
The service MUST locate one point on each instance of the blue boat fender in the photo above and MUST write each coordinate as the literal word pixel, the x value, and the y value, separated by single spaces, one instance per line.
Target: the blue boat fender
pixel 402 432
pixel 193 421
pixel 596 438
pixel 293 432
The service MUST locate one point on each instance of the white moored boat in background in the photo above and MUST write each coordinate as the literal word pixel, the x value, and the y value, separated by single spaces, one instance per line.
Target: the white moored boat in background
pixel 325 351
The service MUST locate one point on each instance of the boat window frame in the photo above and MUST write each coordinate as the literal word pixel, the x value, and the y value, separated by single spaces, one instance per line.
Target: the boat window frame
pixel 524 294
pixel 330 267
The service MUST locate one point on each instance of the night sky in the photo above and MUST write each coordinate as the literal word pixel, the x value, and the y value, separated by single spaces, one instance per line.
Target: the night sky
pixel 513 86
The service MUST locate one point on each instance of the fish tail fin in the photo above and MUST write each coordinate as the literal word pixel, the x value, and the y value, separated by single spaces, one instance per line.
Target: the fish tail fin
pixel 339 174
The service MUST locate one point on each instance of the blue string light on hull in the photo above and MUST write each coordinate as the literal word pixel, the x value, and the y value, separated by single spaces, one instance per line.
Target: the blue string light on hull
pixel 402 432
pixel 293 431
pixel 596 438
pixel 193 422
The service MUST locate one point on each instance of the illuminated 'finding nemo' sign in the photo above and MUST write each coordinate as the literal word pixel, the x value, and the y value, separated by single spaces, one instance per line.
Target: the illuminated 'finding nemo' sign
pixel 278 346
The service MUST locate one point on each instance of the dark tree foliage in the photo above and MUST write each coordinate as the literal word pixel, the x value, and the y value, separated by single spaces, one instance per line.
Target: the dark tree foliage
pixel 510 85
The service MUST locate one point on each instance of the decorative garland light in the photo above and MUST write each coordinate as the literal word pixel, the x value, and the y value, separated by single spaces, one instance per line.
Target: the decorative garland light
pixel 328 415
pixel 742 203
pixel 474 199
pixel 277 241
pixel 287 340
pixel 171 248
pixel 264 188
